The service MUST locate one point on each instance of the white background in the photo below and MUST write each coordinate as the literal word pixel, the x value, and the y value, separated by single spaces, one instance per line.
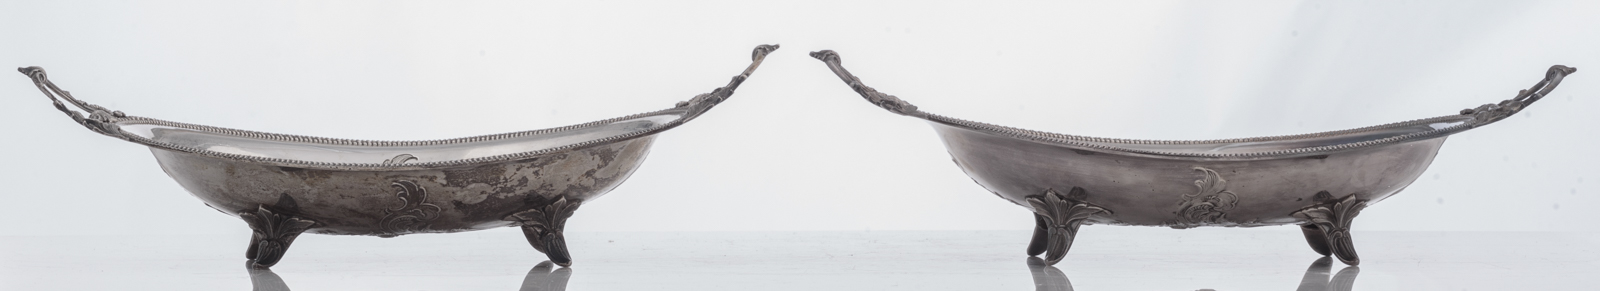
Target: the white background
pixel 795 149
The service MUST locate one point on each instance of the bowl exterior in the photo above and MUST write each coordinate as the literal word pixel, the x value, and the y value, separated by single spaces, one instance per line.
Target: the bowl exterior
pixel 390 203
pixel 1183 193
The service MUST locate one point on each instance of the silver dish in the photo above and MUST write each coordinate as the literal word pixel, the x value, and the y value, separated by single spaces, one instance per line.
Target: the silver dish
pixel 1319 181
pixel 285 185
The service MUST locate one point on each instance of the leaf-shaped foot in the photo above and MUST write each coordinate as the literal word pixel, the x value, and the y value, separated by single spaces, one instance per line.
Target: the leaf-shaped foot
pixel 1331 220
pixel 1062 215
pixel 271 234
pixel 543 225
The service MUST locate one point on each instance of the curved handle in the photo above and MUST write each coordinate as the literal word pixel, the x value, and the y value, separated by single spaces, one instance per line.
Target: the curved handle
pixel 100 119
pixel 888 102
pixel 700 103
pixel 1490 113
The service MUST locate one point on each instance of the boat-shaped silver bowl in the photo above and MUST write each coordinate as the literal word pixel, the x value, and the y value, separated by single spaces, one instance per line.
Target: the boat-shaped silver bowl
pixel 285 185
pixel 1319 181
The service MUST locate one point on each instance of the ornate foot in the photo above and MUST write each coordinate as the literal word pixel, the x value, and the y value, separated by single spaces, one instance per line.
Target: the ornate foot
pixel 272 234
pixel 1327 225
pixel 1061 215
pixel 1315 237
pixel 1041 236
pixel 542 226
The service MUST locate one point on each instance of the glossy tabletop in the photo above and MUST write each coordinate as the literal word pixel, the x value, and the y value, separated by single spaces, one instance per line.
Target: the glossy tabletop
pixel 1113 258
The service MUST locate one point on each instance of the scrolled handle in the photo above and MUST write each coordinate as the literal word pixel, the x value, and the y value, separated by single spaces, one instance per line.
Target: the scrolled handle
pixel 100 120
pixel 700 103
pixel 886 101
pixel 1490 113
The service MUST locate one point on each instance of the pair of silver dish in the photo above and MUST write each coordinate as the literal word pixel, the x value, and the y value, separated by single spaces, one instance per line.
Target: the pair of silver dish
pixel 285 185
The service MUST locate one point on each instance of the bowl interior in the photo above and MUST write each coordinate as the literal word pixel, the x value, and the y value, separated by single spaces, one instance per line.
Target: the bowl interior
pixel 1269 144
pixel 348 151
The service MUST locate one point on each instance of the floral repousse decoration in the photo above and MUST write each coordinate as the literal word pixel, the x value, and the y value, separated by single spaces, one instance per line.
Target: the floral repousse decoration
pixel 1209 204
pixel 414 213
pixel 1061 216
pixel 542 226
pixel 1327 225
pixel 400 159
pixel 271 234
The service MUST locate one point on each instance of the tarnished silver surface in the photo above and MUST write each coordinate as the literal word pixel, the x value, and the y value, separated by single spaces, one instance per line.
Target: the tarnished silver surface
pixel 1319 180
pixel 283 185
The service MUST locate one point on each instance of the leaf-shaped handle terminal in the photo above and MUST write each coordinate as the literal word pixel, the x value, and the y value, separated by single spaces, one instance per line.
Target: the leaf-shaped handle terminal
pixel 703 102
pixel 100 119
pixel 888 102
pixel 1490 113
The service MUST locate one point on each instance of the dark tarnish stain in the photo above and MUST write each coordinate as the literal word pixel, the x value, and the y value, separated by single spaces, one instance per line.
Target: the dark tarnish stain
pixel 496 208
pixel 308 175
pixel 496 200
pixel 544 193
pixel 524 184
pixel 1083 152
pixel 487 174
pixel 391 178
pixel 501 194
pixel 578 190
pixel 606 156
pixel 471 211
pixel 1318 157
pixel 285 205
pixel 508 189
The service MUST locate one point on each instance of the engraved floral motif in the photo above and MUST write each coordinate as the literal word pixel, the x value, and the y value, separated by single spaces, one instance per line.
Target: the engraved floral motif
pixel 414 212
pixel 400 159
pixel 1208 205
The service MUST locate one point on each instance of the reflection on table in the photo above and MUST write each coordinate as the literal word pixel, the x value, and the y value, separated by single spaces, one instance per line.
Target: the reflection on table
pixel 540 278
pixel 1316 278
pixel 1048 278
pixel 263 279
pixel 545 276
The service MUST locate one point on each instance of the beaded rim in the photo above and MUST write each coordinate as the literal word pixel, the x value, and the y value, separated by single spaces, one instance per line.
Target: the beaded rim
pixel 1100 143
pixel 1468 118
pixel 132 120
pixel 109 122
